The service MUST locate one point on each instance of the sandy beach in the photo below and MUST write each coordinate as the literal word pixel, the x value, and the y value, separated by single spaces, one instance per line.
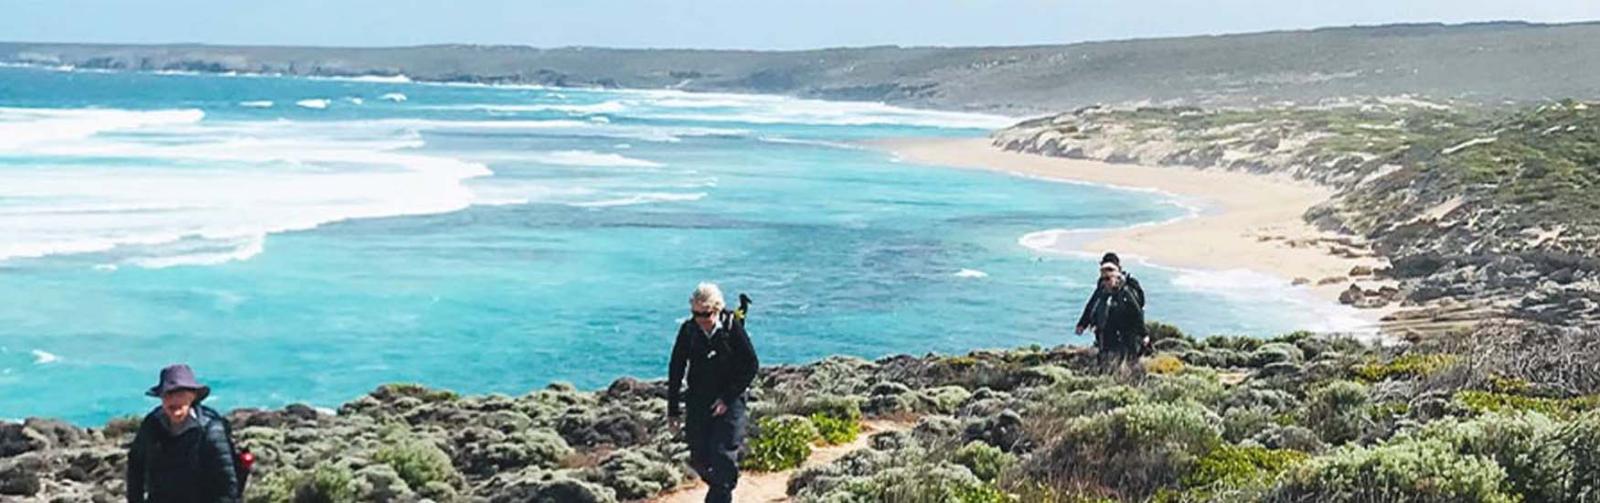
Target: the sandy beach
pixel 1247 221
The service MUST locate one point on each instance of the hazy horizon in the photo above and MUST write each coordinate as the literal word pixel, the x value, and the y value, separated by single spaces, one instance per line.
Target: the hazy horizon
pixel 728 24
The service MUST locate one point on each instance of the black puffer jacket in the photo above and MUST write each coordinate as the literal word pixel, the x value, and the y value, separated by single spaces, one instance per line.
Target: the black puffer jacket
pixel 1122 327
pixel 719 367
pixel 194 465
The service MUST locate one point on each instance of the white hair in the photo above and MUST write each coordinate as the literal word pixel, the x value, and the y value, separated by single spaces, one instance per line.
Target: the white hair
pixel 708 294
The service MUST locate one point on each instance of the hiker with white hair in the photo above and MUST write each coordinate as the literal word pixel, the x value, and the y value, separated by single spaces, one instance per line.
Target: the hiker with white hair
pixel 714 352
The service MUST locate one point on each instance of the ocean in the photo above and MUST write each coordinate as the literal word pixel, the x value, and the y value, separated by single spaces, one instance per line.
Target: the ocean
pixel 306 240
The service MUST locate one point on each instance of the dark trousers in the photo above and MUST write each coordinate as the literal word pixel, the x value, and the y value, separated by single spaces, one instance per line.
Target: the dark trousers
pixel 714 445
pixel 1118 347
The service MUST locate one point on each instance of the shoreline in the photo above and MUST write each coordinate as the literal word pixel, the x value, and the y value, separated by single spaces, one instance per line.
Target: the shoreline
pixel 1238 221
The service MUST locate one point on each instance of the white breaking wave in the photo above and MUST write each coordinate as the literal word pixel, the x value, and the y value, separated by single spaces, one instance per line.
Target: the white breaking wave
pixel 28 126
pixel 256 104
pixel 186 192
pixel 591 108
pixel 772 109
pixel 591 158
pixel 317 104
pixel 43 358
pixel 395 97
pixel 642 198
pixel 661 134
pixel 817 143
pixel 971 273
pixel 355 100
pixel 388 79
pixel 1246 287
pixel 753 109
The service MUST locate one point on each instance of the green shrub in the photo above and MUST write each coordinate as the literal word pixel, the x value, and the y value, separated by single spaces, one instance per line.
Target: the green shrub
pixel 1159 331
pixel 1201 388
pixel 1388 411
pixel 1578 444
pixel 917 483
pixel 1521 443
pixel 1293 337
pixel 1561 408
pixel 1239 423
pixel 1090 402
pixel 636 475
pixel 1234 342
pixel 1276 352
pixel 325 483
pixel 837 419
pixel 940 400
pixel 835 431
pixel 984 460
pixel 1230 465
pixel 1135 450
pixel 780 443
pixel 1292 437
pixel 1415 471
pixel 414 390
pixel 417 461
pixel 1406 366
pixel 1338 412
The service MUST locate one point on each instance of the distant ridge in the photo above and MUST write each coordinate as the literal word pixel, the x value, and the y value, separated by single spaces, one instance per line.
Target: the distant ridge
pixel 1485 62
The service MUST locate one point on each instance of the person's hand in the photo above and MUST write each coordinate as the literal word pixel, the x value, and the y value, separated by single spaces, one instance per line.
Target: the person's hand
pixel 719 408
pixel 1080 329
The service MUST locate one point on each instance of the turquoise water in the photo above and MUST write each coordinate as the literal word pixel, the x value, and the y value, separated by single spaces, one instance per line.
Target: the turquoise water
pixel 352 233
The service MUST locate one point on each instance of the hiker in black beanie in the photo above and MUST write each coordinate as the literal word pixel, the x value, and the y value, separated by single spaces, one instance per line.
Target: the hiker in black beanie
pixel 1115 311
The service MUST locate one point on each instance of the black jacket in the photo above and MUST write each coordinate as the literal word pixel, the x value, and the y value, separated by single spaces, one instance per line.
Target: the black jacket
pixel 1123 328
pixel 192 466
pixel 721 366
pixel 1100 294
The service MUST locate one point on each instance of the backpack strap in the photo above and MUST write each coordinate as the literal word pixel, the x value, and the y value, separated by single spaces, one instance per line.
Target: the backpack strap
pixel 240 473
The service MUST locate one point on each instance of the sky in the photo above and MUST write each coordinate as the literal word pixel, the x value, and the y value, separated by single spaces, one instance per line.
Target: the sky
pixel 721 24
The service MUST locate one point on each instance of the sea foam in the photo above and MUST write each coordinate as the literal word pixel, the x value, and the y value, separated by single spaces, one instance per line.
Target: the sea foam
pixel 185 192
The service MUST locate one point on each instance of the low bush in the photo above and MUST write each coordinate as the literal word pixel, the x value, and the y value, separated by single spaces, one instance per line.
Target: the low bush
pixel 779 443
pixel 984 460
pixel 1405 367
pixel 1403 472
pixel 325 483
pixel 1338 412
pixel 1563 408
pixel 417 461
pixel 1133 451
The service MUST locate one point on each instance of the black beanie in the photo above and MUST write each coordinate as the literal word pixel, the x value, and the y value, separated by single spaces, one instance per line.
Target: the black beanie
pixel 1112 258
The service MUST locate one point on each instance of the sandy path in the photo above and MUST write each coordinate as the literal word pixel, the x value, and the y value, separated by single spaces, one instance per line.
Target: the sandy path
pixel 773 486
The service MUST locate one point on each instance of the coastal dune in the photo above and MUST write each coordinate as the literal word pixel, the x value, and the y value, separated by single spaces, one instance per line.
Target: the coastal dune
pixel 1245 221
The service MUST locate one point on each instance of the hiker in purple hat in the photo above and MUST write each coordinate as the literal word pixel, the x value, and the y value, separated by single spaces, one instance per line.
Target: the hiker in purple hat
pixel 182 452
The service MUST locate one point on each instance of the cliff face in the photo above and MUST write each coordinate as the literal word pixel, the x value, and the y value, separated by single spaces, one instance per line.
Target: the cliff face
pixel 1482 62
pixel 1484 206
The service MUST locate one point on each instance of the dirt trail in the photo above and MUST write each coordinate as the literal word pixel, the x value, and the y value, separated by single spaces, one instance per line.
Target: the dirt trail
pixel 773 486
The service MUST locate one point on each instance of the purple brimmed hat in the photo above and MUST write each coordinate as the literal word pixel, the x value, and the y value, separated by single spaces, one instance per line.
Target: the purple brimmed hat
pixel 179 377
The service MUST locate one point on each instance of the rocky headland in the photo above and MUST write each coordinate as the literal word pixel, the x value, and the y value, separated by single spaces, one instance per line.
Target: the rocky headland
pixel 1484 213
